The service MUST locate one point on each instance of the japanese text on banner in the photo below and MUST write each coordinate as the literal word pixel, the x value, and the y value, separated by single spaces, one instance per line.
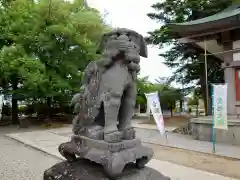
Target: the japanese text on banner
pixel 154 105
pixel 220 106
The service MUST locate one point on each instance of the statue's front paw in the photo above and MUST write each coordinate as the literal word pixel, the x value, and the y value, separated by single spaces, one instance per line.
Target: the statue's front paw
pixel 140 163
pixel 67 151
pixel 113 137
pixel 129 134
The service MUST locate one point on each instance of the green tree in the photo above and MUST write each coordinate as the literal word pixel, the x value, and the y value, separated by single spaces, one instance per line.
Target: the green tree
pixel 44 47
pixel 141 90
pixel 188 61
pixel 194 101
pixel 143 87
pixel 168 96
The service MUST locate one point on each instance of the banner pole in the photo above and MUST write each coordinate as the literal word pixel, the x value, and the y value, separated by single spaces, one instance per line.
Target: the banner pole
pixel 166 137
pixel 213 130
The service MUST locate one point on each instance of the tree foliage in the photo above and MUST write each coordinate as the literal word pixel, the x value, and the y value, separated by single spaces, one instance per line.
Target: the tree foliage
pixel 44 47
pixel 168 95
pixel 187 61
pixel 194 100
pixel 142 88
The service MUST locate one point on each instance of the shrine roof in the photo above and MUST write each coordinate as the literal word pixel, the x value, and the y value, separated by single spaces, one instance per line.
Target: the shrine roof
pixel 228 18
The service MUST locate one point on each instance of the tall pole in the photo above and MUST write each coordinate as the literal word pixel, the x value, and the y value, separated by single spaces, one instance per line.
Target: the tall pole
pixel 183 100
pixel 206 75
pixel 86 4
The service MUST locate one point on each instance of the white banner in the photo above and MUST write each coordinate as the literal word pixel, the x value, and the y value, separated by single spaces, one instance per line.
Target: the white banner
pixel 220 106
pixel 155 107
pixel 1 105
pixel 148 108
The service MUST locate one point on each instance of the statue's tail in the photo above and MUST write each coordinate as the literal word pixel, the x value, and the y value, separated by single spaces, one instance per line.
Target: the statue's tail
pixel 76 98
pixel 77 121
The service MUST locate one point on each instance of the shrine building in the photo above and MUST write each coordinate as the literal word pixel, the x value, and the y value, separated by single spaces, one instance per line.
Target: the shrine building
pixel 219 34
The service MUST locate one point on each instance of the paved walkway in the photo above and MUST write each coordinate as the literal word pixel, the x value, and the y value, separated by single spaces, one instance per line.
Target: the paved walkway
pixel 150 134
pixel 18 162
pixel 48 141
pixel 152 126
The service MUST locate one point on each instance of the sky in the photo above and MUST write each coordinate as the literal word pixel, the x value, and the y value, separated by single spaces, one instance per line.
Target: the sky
pixel 132 14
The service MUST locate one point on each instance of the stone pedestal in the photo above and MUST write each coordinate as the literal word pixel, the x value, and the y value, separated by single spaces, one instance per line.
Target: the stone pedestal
pixel 201 129
pixel 112 156
pixel 83 169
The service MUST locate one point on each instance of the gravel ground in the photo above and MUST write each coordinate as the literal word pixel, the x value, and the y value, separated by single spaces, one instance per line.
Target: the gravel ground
pixel 19 162
pixel 218 165
pixel 210 163
pixel 206 162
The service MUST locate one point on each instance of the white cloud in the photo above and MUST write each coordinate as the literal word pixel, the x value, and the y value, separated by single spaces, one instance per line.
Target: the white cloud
pixel 132 14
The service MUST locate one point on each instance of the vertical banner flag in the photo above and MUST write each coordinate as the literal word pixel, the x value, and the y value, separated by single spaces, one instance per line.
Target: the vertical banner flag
pixel 1 105
pixel 220 106
pixel 154 104
pixel 148 108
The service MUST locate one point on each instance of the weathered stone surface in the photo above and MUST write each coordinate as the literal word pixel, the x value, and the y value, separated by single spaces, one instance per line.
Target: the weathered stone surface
pixel 104 106
pixel 201 128
pixel 83 141
pixel 108 94
pixel 112 156
pixel 86 170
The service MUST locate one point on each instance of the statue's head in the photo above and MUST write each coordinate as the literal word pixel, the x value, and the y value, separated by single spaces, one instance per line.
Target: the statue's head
pixel 123 44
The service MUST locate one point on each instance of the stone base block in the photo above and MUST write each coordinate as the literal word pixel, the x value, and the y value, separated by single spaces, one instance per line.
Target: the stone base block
pixel 82 169
pixel 201 129
pixel 97 132
pixel 82 142
pixel 112 156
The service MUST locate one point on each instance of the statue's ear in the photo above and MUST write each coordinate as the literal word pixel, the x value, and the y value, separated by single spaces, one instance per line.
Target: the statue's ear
pixel 103 43
pixel 143 47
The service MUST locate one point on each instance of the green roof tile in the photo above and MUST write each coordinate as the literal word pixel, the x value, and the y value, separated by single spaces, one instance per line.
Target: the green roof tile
pixel 215 17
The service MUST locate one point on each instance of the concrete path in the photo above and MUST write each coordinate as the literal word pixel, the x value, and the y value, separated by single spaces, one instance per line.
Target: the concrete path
pixel 150 134
pixel 48 141
pixel 19 162
pixel 153 127
pixel 173 140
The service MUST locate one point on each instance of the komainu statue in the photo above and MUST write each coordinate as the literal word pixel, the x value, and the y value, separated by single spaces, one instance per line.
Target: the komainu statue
pixel 102 127
pixel 109 86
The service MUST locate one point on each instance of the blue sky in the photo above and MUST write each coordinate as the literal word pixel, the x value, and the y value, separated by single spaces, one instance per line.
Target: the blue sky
pixel 132 14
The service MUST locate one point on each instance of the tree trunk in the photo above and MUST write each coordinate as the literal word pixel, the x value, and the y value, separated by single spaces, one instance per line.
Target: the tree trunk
pixel 208 110
pixel 49 108
pixel 171 110
pixel 15 119
pixel 203 87
pixel 181 107
pixel 197 112
pixel 49 102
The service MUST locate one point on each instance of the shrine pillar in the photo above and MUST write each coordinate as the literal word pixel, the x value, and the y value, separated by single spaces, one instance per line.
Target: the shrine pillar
pixel 229 76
